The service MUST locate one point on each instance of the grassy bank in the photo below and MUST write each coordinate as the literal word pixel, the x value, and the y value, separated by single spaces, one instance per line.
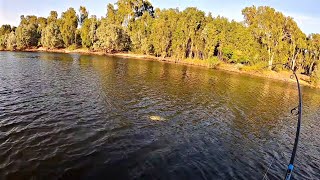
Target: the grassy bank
pixel 211 63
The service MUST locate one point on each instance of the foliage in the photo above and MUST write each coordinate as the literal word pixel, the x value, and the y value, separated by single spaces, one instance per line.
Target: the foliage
pixel 27 34
pixel 268 26
pixel 3 43
pixel 51 37
pixel 83 14
pixel 265 37
pixel 213 62
pixel 315 76
pixel 72 47
pixel 88 31
pixel 161 41
pixel 140 34
pixel 11 41
pixel 69 24
pixel 111 37
pixel 5 30
pixel 255 67
pixel 130 10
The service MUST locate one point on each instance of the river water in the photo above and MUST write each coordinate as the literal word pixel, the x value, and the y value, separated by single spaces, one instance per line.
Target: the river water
pixel 70 116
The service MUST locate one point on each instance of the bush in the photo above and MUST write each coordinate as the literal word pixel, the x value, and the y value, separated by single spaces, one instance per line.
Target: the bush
pixel 210 63
pixel 239 66
pixel 72 47
pixel 213 62
pixel 255 67
pixel 315 76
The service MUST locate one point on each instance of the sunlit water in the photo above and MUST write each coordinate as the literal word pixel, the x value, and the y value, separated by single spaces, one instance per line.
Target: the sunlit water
pixel 94 117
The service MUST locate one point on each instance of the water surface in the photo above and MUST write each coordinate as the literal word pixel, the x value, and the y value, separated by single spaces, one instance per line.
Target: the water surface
pixel 69 116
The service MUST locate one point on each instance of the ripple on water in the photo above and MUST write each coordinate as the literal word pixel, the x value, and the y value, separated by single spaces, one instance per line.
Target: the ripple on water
pixel 94 117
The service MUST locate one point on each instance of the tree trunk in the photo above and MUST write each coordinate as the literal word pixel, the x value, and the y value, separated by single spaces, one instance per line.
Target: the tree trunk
pixel 220 51
pixel 293 63
pixel 191 50
pixel 270 59
pixel 75 37
pixel 310 68
pixel 293 59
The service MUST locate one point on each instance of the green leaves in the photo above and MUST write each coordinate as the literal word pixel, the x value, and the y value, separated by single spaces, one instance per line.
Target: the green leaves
pixel 83 14
pixel 51 37
pixel 266 35
pixel 11 41
pixel 130 10
pixel 88 32
pixel 111 38
pixel 5 30
pixel 68 27
pixel 27 34
pixel 315 76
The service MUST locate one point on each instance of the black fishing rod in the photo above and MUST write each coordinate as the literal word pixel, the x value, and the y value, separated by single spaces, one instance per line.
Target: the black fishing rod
pixel 299 113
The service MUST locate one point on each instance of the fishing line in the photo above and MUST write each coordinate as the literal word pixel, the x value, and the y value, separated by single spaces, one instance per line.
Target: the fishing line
pixel 266 174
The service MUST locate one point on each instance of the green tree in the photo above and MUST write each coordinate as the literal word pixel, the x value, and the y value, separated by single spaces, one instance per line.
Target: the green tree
pixel 265 37
pixel 222 25
pixel 296 40
pixel 4 33
pixel 111 37
pixel 240 45
pixel 53 17
pixel 68 28
pixel 268 26
pixel 112 15
pixel 129 10
pixel 315 76
pixel 27 34
pixel 5 29
pixel 162 31
pixel 11 41
pixel 209 35
pixel 312 53
pixel 88 31
pixel 83 14
pixel 187 41
pixel 42 23
pixel 140 32
pixel 51 36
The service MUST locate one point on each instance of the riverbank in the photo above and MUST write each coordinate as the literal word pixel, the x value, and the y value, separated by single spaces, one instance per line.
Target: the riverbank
pixel 236 68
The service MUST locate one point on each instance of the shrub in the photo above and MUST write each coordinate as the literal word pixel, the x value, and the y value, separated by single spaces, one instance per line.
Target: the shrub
pixel 315 76
pixel 72 47
pixel 210 63
pixel 255 67
pixel 213 62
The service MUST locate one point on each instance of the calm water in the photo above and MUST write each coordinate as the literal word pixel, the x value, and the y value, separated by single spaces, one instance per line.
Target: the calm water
pixel 94 117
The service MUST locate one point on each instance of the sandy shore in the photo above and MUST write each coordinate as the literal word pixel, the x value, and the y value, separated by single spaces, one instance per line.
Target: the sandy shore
pixel 282 76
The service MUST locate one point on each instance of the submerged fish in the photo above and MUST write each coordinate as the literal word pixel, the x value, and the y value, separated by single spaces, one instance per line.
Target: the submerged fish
pixel 157 118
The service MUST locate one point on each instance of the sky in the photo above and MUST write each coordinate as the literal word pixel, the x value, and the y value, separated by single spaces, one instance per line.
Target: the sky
pixel 306 13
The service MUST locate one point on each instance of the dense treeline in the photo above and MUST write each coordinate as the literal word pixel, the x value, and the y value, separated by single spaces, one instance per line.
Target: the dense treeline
pixel 265 37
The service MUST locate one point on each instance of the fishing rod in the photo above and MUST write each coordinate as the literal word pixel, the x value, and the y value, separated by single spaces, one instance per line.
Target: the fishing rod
pixel 299 113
